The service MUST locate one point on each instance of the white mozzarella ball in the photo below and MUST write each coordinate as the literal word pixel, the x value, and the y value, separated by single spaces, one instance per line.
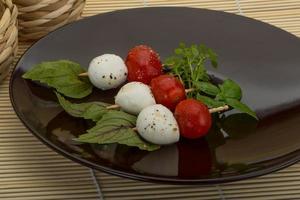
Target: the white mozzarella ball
pixel 107 71
pixel 134 97
pixel 157 125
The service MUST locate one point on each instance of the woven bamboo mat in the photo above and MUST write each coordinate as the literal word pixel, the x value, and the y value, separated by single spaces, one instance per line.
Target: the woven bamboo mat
pixel 29 170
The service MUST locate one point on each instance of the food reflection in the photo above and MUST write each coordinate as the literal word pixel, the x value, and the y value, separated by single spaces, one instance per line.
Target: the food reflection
pixel 39 90
pixel 186 159
pixel 120 155
pixel 195 158
pixel 62 129
pixel 163 162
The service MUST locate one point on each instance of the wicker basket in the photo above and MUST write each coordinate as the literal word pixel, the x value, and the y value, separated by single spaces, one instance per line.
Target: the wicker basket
pixel 8 36
pixel 39 17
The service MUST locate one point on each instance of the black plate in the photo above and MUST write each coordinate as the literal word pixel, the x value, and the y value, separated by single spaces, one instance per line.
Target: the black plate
pixel 263 59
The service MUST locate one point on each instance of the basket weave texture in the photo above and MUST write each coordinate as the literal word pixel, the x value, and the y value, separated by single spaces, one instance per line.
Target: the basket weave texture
pixel 8 36
pixel 39 17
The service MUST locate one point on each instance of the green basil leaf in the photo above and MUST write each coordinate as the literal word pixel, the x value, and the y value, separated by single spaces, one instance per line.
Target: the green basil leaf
pixel 63 76
pixel 231 89
pixel 124 118
pixel 207 88
pixel 116 127
pixel 220 97
pixel 212 103
pixel 240 106
pixel 93 110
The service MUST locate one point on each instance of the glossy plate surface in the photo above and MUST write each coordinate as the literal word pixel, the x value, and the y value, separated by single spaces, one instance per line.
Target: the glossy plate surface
pixel 263 59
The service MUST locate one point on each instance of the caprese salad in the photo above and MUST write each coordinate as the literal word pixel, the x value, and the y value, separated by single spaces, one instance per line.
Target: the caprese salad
pixel 156 104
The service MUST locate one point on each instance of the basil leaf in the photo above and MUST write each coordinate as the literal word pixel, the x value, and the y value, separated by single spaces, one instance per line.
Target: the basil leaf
pixel 93 110
pixel 212 103
pixel 113 126
pixel 230 89
pixel 123 118
pixel 207 88
pixel 240 106
pixel 63 76
pixel 116 127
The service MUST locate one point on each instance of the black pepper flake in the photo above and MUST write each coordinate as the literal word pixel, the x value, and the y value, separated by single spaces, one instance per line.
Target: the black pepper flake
pixel 115 78
pixel 174 129
pixel 109 83
pixel 103 76
pixel 110 76
pixel 125 74
pixel 157 110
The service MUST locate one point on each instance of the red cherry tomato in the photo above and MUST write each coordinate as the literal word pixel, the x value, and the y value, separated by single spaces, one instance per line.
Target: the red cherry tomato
pixel 143 64
pixel 168 91
pixel 193 118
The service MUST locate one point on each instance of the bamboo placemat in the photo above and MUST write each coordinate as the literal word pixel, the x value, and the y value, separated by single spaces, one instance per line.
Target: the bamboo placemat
pixel 29 170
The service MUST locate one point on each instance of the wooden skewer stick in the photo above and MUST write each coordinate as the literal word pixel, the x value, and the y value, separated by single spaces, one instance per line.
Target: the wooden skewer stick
pixel 189 90
pixel 115 106
pixel 83 74
pixel 212 110
pixel 219 109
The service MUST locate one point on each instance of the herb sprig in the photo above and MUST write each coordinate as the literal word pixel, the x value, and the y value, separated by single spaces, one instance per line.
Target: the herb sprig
pixel 188 64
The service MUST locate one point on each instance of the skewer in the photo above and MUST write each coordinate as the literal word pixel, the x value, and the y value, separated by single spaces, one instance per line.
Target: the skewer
pixel 83 74
pixel 189 90
pixel 219 109
pixel 115 106
pixel 211 110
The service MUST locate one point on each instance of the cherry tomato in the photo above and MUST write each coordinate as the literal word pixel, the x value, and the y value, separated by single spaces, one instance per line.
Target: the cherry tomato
pixel 193 118
pixel 143 64
pixel 168 91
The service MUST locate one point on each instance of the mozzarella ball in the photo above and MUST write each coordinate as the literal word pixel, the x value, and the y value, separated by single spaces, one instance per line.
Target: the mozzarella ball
pixel 157 125
pixel 107 71
pixel 134 97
